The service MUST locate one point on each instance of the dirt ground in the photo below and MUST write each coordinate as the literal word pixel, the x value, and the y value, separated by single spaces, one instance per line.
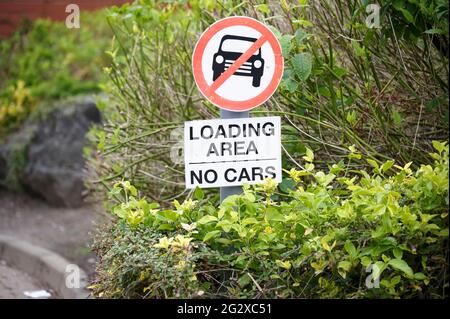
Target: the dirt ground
pixel 13 283
pixel 67 231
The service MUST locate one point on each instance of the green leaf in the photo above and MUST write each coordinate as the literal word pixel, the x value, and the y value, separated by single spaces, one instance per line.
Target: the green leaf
pixel 366 261
pixel 211 234
pixel 207 219
pixel 378 269
pixel 165 227
pixel 302 64
pixel 114 192
pixel 345 267
pixel 240 260
pixel 290 85
pixel 133 190
pixel 319 266
pixel 230 201
pixel 300 35
pixel 303 23
pixel 286 185
pixel 287 74
pixel 198 193
pixel 284 264
pixel 345 264
pixel 359 50
pixel 386 166
pixel 435 31
pixel 438 146
pixel 264 8
pixel 244 280
pixel 272 214
pixel 324 241
pixel 309 155
pixel 286 44
pixel 401 265
pixel 351 249
pixel 398 253
pixel 168 215
pixel 249 220
pixel 419 276
pixel 396 117
pixel 443 232
pixel 324 179
pixel 120 211
pixel 225 225
pixel 374 164
pixel 351 117
pixel 408 16
pixel 224 241
pixel 395 280
pixel 339 72
pixel 249 196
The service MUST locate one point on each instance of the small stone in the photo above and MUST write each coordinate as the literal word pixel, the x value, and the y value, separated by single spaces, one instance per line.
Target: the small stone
pixel 41 294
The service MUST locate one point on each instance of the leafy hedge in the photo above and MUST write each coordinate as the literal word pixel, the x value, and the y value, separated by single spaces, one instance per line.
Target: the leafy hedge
pixel 330 224
pixel 320 237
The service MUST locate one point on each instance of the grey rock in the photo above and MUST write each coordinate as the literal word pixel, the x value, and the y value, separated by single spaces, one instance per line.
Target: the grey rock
pixel 54 165
pixel 3 169
pixel 12 155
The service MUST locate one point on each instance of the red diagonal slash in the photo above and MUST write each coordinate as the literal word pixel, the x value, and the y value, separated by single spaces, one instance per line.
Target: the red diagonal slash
pixel 236 65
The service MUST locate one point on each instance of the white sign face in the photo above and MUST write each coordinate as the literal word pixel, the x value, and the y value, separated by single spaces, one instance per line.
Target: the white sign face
pixel 231 152
pixel 224 45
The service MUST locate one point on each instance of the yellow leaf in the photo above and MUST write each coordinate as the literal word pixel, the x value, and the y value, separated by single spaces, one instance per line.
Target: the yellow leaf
pixel 326 246
pixel 284 264
pixel 324 242
pixel 164 243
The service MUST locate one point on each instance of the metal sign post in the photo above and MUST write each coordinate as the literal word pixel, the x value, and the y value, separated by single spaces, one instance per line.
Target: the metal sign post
pixel 231 190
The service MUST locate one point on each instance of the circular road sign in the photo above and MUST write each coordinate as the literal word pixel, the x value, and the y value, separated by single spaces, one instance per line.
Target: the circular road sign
pixel 237 63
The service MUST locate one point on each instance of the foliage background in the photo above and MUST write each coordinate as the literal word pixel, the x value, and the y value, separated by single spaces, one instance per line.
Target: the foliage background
pixel 383 90
pixel 362 109
pixel 354 102
pixel 45 61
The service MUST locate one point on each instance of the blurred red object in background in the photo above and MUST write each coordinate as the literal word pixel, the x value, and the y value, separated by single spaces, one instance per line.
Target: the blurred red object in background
pixel 13 12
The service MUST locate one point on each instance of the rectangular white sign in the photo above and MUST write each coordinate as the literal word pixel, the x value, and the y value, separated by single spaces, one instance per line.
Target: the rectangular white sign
pixel 231 152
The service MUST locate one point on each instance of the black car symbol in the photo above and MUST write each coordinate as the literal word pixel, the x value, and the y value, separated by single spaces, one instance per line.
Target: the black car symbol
pixel 224 58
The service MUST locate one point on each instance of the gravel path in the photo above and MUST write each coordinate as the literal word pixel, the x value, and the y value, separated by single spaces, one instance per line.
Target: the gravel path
pixel 13 283
pixel 67 231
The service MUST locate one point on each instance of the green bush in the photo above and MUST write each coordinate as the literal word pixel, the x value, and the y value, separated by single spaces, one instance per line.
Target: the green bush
pixel 313 239
pixel 314 235
pixel 344 84
pixel 417 19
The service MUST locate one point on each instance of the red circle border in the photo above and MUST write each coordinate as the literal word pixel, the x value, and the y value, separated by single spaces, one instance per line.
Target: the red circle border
pixel 221 102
